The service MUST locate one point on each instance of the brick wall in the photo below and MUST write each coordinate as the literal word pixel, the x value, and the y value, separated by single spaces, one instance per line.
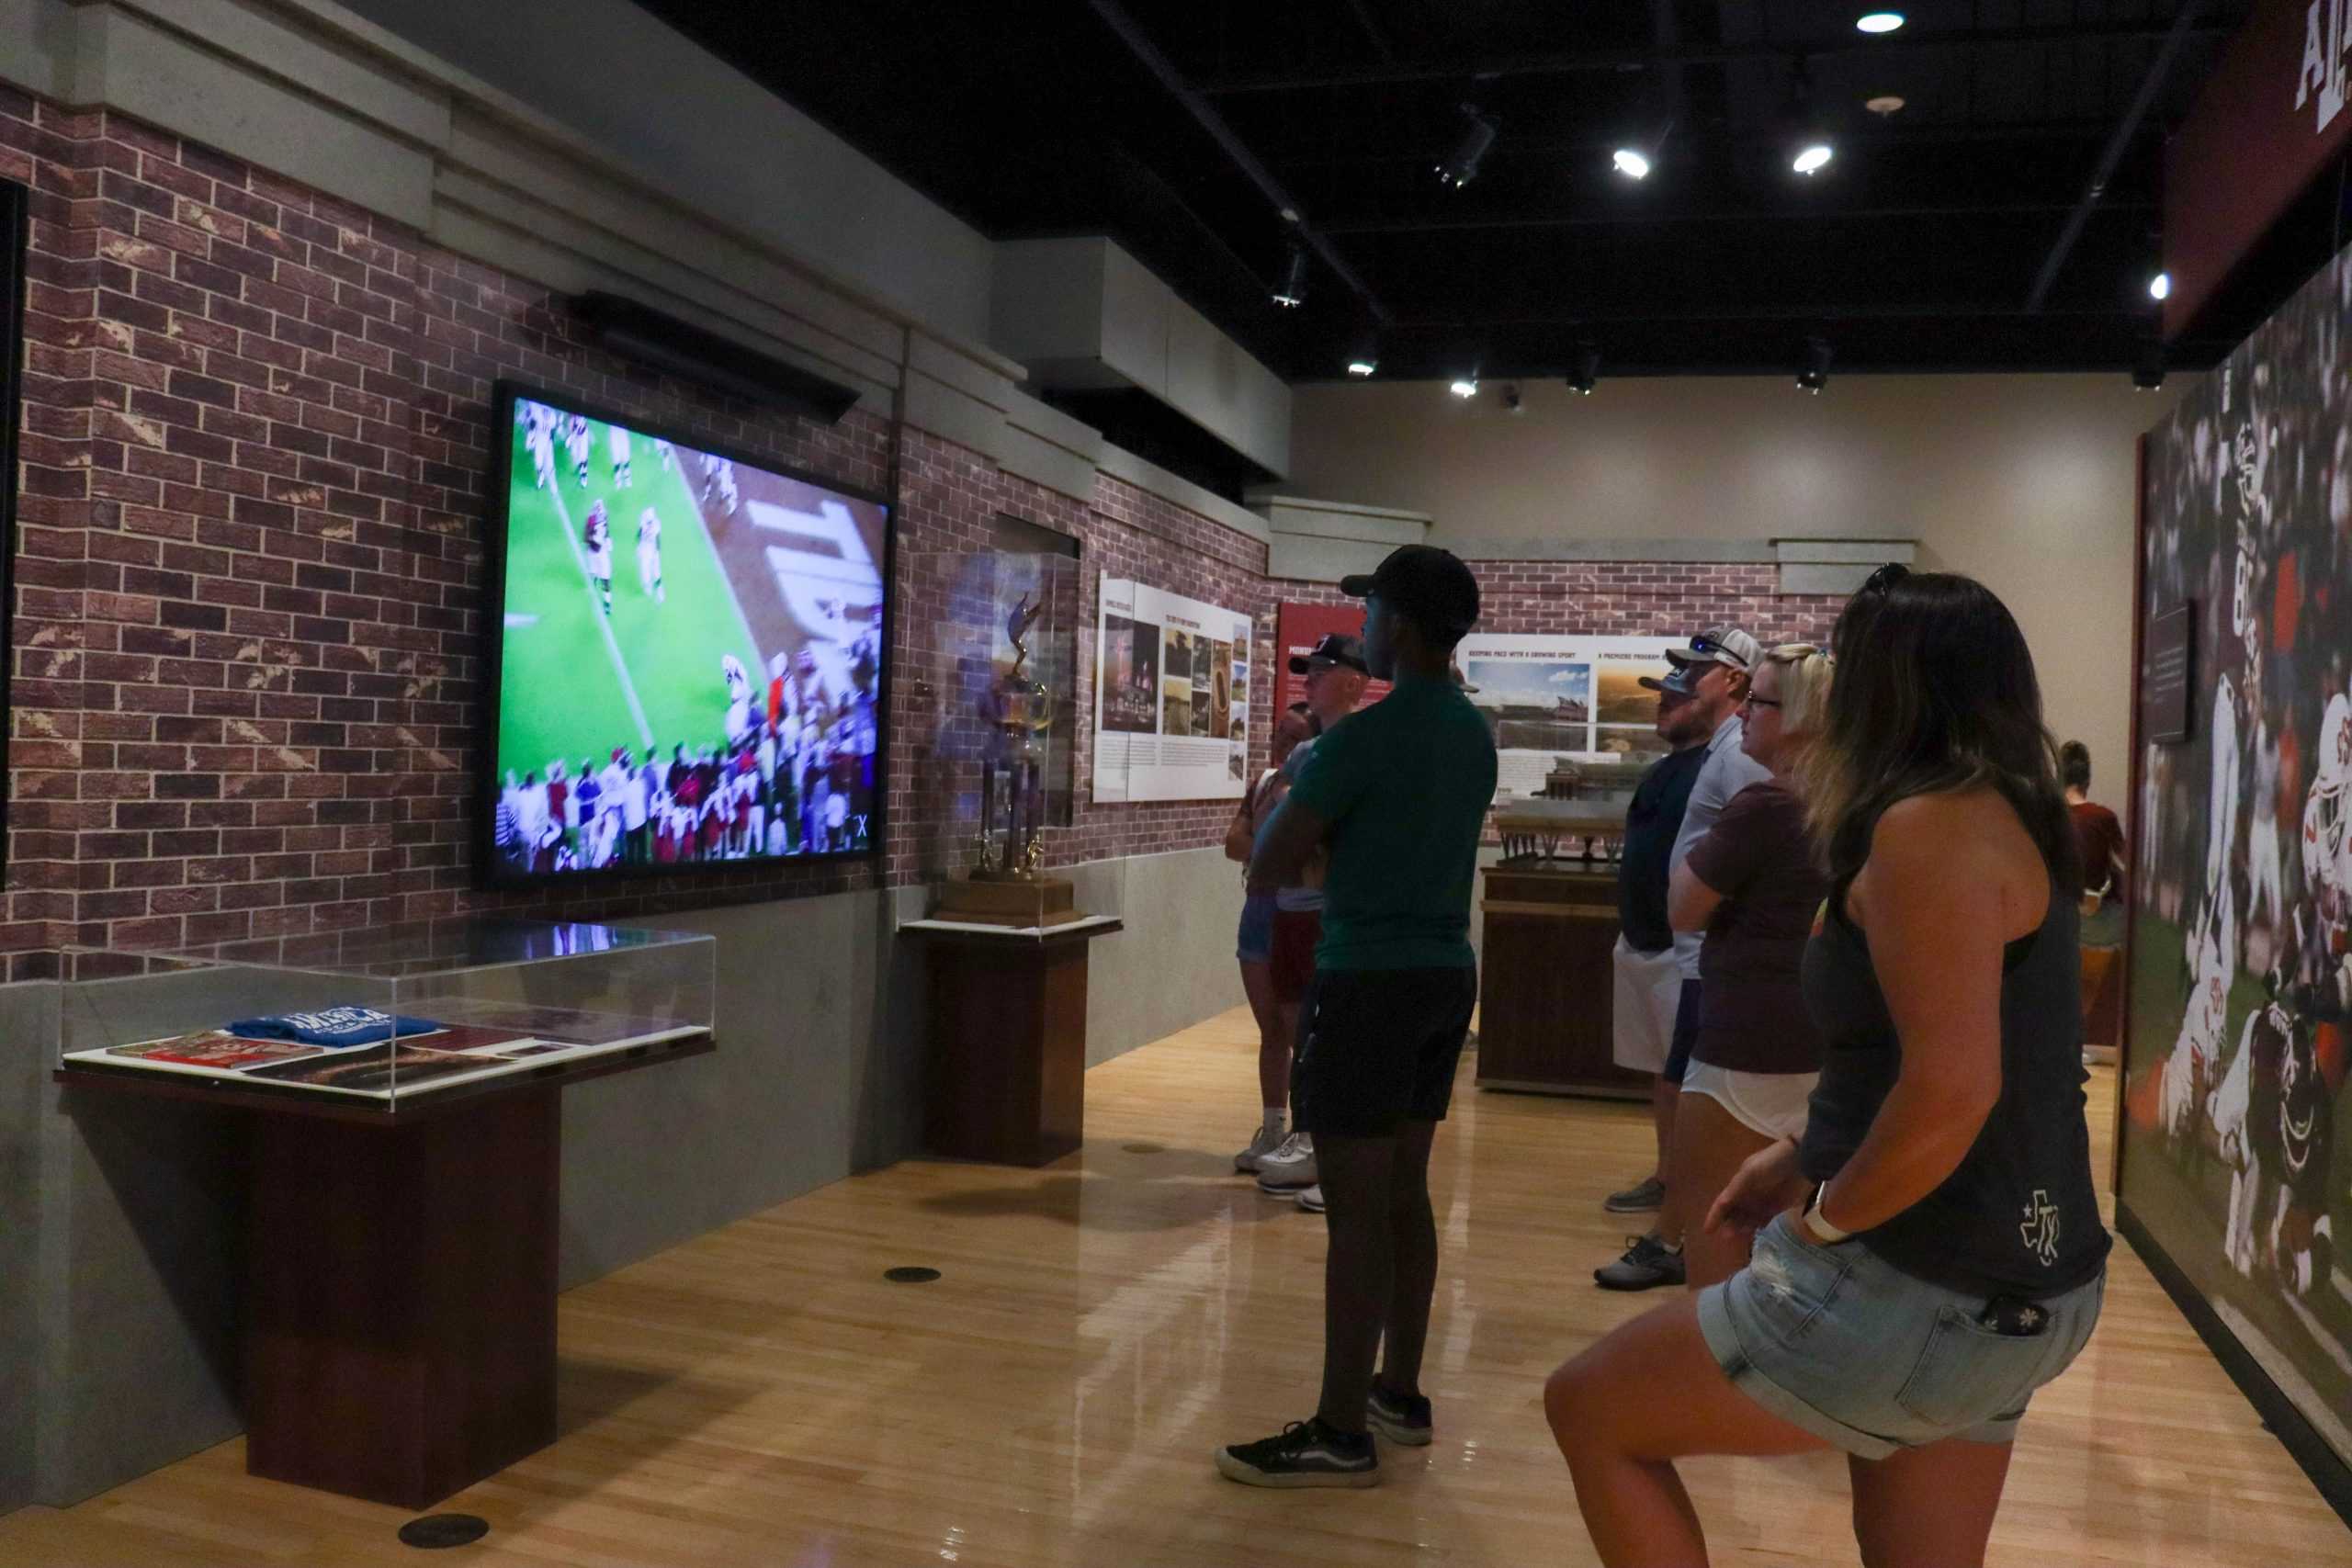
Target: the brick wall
pixel 255 439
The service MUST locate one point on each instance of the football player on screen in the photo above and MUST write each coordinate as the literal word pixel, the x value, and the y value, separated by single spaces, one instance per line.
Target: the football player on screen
pixel 616 445
pixel 600 552
pixel 648 556
pixel 739 697
pixel 580 444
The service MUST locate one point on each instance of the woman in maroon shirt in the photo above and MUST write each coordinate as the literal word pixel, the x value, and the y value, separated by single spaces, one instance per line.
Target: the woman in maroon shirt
pixel 1751 882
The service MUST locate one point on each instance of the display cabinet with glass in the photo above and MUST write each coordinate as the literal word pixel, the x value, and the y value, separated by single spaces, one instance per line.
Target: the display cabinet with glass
pixel 387 1017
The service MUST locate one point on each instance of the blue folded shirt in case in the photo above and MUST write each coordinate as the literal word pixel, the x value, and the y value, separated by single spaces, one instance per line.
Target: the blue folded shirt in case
pixel 331 1027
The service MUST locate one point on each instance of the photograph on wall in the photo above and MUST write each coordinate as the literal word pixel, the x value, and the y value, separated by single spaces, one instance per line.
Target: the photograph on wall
pixel 690 656
pixel 2235 1157
pixel 1130 672
pixel 1188 751
pixel 1558 700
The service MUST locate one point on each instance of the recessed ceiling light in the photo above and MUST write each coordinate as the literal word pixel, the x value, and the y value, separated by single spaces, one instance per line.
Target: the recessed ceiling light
pixel 1812 158
pixel 1632 165
pixel 1361 367
pixel 1878 21
pixel 2160 287
pixel 1882 105
pixel 1467 387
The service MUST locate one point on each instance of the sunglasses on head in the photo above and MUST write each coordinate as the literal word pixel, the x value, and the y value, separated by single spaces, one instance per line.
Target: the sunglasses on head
pixel 1884 579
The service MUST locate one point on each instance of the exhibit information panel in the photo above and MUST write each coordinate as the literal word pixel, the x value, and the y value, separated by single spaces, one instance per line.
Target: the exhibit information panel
pixel 1572 699
pixel 2241 950
pixel 384 1015
pixel 1171 709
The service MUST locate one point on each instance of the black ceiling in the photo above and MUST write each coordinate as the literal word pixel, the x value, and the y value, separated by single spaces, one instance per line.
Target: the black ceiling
pixel 1918 247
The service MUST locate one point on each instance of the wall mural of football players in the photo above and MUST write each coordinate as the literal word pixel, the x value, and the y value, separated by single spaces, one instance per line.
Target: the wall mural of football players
pixel 2241 960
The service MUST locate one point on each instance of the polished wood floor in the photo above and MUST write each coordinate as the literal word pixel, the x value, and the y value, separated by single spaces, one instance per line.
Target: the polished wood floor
pixel 762 1398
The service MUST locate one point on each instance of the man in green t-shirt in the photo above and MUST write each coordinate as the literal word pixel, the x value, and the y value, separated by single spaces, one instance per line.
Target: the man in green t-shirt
pixel 1396 795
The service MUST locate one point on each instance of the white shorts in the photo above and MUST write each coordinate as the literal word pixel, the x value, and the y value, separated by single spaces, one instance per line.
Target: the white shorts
pixel 1648 991
pixel 600 563
pixel 1771 1105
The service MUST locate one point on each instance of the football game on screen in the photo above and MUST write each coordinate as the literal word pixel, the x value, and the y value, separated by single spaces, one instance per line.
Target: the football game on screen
pixel 691 656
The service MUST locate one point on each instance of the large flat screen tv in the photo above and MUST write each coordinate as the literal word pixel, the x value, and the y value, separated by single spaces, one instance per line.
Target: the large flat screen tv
pixel 685 653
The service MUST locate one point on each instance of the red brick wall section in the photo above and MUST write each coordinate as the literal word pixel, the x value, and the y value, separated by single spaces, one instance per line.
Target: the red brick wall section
pixel 255 440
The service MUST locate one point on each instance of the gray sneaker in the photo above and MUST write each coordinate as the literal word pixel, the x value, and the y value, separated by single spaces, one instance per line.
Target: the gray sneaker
pixel 1642 1197
pixel 1645 1266
pixel 1290 1168
pixel 1264 1143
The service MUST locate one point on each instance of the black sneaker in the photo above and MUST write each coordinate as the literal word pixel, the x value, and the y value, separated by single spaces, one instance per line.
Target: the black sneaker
pixel 1399 1417
pixel 1645 1266
pixel 1307 1453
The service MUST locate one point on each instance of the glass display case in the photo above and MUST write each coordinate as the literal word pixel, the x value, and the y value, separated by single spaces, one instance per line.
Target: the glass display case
pixel 998 699
pixel 387 1017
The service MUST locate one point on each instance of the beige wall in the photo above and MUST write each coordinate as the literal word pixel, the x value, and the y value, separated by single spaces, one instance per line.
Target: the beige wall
pixel 2025 481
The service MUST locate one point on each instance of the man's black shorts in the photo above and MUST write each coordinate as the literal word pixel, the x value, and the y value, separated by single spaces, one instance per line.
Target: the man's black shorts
pixel 1377 1048
pixel 1686 1033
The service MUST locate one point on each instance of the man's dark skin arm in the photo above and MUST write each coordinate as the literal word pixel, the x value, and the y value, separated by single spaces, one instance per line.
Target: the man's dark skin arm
pixel 1284 845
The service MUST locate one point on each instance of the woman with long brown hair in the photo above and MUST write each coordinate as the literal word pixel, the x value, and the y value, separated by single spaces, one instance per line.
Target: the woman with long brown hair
pixel 1930 1249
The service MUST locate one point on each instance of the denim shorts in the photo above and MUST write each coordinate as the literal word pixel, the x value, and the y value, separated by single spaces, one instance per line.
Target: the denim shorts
pixel 1255 944
pixel 1870 1359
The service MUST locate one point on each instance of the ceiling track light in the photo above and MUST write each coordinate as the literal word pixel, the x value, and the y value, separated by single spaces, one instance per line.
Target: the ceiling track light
pixel 1817 358
pixel 1586 372
pixel 1878 21
pixel 1465 386
pixel 1291 292
pixel 1364 366
pixel 1631 162
pixel 1477 138
pixel 1809 144
pixel 2160 287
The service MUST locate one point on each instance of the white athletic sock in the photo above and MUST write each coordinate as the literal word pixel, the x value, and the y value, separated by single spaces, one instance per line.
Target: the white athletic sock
pixel 1275 1123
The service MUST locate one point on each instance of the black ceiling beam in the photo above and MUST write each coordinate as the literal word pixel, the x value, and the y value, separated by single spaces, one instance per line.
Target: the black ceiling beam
pixel 1887 136
pixel 1204 113
pixel 2158 69
pixel 1576 62
pixel 1629 217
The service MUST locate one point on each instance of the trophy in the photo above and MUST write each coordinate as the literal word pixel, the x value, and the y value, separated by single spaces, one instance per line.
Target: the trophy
pixel 1007 885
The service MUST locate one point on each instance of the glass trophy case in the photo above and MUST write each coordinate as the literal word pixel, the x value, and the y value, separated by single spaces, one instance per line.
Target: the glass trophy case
pixel 998 703
pixel 387 1017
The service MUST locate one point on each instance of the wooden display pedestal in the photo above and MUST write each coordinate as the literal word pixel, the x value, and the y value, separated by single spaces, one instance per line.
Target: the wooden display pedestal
pixel 1008 1038
pixel 1547 980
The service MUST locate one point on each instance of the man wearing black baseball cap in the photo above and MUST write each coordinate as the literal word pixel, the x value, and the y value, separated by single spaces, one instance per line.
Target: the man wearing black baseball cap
pixel 1396 795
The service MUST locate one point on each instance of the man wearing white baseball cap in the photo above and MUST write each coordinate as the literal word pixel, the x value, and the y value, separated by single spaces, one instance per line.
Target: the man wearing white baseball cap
pixel 1712 669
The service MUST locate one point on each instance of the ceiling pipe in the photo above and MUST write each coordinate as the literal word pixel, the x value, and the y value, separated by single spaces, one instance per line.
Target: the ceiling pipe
pixel 2117 145
pixel 1204 112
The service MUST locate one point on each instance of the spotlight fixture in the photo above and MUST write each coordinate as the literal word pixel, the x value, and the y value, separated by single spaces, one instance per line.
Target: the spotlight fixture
pixel 1634 165
pixel 1465 386
pixel 1808 145
pixel 1816 374
pixel 1478 138
pixel 1587 372
pixel 1292 290
pixel 1362 365
pixel 2160 287
pixel 1878 21
pixel 2148 370
pixel 1887 106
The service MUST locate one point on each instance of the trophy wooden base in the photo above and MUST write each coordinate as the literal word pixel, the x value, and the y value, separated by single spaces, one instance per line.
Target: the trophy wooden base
pixel 1041 901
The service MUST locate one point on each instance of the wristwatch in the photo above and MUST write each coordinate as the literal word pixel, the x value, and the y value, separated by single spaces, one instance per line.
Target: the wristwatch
pixel 1817 1227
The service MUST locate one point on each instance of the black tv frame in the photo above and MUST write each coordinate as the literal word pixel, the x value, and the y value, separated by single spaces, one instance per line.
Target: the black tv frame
pixel 488 873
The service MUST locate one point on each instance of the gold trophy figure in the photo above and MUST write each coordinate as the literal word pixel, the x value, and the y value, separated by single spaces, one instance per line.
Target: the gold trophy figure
pixel 1007 885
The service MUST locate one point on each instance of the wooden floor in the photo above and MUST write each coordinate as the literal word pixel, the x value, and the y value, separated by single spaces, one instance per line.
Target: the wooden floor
pixel 760 1398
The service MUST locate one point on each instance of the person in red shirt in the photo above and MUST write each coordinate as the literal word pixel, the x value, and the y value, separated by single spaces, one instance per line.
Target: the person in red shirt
pixel 2104 872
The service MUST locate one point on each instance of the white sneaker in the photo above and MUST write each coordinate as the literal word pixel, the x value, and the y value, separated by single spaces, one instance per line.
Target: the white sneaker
pixel 1311 1199
pixel 1266 1142
pixel 1290 1168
